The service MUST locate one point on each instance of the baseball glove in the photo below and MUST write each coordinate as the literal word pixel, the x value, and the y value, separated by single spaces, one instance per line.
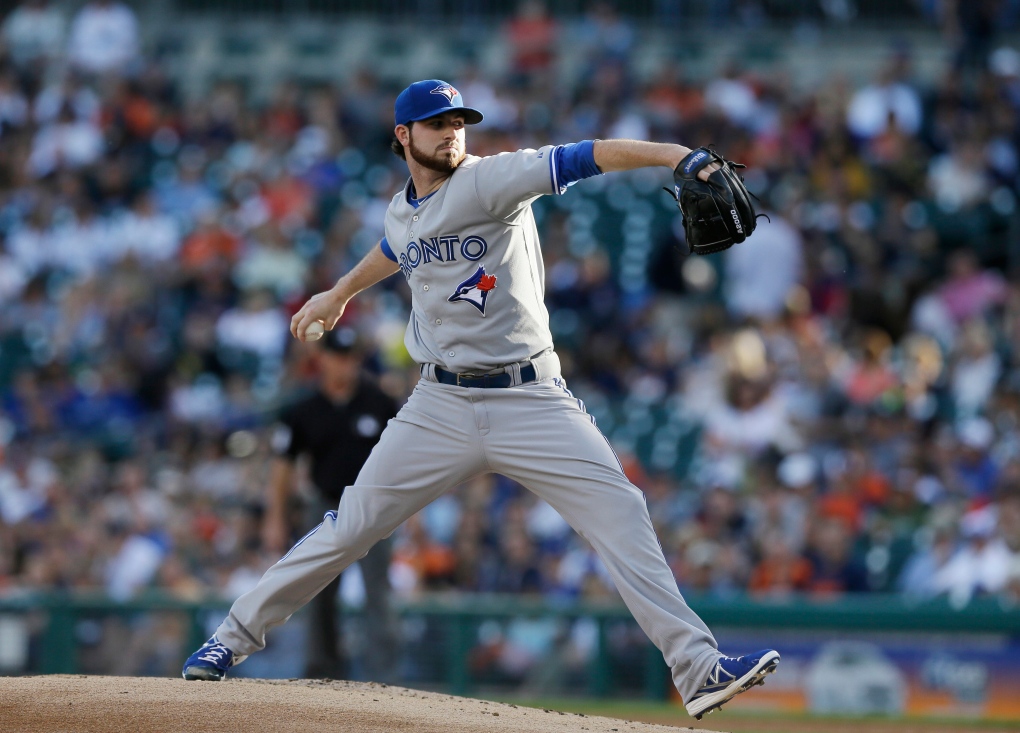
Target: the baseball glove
pixel 717 213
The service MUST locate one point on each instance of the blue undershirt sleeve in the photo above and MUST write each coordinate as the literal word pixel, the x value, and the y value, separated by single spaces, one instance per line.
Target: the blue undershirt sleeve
pixel 576 161
pixel 385 247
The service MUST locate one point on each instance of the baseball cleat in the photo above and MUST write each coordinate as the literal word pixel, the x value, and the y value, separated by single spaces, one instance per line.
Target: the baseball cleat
pixel 730 677
pixel 211 662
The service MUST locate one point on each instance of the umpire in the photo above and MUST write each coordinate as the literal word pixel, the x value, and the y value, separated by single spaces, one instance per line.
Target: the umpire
pixel 336 428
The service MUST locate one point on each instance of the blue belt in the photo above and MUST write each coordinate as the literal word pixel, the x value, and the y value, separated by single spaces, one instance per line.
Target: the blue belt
pixel 485 381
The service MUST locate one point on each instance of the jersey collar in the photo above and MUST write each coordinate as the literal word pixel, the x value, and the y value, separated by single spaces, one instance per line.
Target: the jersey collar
pixel 409 197
pixel 416 202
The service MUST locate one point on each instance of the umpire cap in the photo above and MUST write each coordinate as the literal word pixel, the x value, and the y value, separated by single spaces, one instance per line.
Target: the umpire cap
pixel 343 340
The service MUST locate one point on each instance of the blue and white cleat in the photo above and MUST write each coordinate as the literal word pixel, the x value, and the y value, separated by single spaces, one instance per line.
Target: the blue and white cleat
pixel 730 677
pixel 211 662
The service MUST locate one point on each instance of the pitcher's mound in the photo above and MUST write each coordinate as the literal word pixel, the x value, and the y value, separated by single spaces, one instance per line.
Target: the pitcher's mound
pixel 155 705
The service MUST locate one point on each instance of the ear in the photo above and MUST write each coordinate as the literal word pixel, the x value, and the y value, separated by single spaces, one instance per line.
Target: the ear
pixel 403 133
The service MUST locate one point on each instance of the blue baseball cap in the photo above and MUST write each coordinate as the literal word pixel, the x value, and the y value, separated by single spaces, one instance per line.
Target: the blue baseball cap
pixel 429 98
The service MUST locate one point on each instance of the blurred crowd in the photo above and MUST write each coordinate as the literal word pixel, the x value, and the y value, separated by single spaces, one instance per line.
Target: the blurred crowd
pixel 851 371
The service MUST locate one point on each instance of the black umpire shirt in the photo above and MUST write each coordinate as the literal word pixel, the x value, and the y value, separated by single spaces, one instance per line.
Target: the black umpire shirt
pixel 336 436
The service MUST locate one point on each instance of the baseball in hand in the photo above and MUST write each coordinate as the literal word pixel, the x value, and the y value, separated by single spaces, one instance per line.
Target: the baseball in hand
pixel 314 331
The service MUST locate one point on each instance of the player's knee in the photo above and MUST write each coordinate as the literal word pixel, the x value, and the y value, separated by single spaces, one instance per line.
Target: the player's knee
pixel 359 532
pixel 630 507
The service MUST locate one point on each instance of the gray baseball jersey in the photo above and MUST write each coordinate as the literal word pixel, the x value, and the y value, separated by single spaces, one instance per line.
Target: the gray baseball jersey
pixel 470 254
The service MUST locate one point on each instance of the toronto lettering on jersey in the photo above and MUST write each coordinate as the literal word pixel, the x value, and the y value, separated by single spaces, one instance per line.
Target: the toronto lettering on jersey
pixel 442 249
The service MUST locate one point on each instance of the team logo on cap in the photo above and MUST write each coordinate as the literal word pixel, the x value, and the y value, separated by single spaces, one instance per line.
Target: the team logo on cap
pixel 475 289
pixel 447 91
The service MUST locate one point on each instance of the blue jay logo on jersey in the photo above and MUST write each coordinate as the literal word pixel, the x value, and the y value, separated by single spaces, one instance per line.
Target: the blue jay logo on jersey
pixel 475 289
pixel 447 91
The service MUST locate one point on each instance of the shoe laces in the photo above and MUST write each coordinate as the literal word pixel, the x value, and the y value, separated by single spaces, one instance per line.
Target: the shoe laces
pixel 718 672
pixel 215 653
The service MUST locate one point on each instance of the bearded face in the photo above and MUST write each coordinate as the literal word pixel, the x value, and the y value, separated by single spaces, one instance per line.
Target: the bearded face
pixel 431 146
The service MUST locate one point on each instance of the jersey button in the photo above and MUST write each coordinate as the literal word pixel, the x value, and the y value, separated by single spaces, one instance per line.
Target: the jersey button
pixel 425 287
pixel 439 321
pixel 453 353
pixel 414 218
pixel 411 234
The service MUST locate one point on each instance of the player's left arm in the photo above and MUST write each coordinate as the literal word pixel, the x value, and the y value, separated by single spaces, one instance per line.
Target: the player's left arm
pixel 625 155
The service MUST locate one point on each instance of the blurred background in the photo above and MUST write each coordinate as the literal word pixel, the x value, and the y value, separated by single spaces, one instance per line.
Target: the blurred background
pixel 825 419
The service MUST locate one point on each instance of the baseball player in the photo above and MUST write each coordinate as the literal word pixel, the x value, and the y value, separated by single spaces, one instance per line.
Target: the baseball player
pixel 491 398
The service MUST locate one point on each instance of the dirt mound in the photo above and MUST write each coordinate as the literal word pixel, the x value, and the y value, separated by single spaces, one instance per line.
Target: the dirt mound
pixel 80 703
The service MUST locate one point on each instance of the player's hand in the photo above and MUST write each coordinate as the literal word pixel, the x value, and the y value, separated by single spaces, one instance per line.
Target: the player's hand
pixel 708 170
pixel 705 172
pixel 326 307
pixel 275 536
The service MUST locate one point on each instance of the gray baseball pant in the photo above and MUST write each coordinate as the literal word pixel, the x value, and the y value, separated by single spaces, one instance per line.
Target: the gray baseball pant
pixel 537 434
pixel 326 655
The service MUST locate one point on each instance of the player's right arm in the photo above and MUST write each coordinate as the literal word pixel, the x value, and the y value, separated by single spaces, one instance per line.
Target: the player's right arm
pixel 329 306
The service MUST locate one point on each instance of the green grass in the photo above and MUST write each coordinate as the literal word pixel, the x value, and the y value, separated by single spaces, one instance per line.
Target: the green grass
pixel 665 713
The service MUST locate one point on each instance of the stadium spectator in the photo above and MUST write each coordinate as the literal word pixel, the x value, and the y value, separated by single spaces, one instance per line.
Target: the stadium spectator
pixel 255 327
pixel 731 95
pixel 969 290
pixel 981 565
pixel 65 143
pixel 25 483
pixel 918 579
pixel 145 234
pixel 103 38
pixel 781 571
pixel 753 418
pixel 834 569
pixel 892 99
pixel 778 247
pixel 975 369
pixel 974 473
pixel 532 35
pixel 605 37
pixel 13 105
pixel 33 34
